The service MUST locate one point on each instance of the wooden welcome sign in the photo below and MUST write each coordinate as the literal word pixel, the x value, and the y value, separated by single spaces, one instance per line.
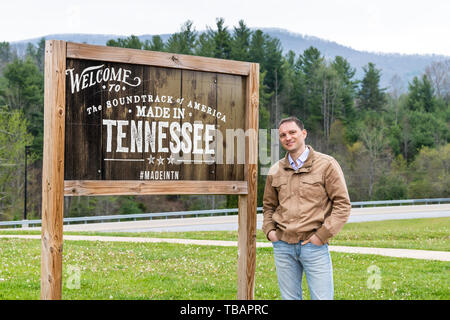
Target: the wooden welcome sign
pixel 132 122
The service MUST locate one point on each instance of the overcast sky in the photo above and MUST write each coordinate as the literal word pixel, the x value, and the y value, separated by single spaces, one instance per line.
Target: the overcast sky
pixel 401 26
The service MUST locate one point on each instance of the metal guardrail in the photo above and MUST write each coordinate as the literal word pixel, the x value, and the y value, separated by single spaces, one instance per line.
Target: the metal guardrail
pixel 166 215
pixel 406 201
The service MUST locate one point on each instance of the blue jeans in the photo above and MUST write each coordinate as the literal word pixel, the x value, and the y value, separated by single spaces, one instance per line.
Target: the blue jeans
pixel 292 259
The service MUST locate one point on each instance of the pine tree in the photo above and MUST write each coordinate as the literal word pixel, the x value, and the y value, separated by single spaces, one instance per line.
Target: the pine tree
pixel 221 39
pixel 308 65
pixel 371 96
pixel 421 95
pixel 240 42
pixel 273 64
pixel 132 42
pixel 257 48
pixel 37 54
pixel 204 46
pixel 156 44
pixel 183 42
pixel 6 55
pixel 346 74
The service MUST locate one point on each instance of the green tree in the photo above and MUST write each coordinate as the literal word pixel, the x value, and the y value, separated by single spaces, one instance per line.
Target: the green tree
pixel 221 40
pixel 129 205
pixel 273 66
pixel 371 96
pixel 156 44
pixel 273 62
pixel 37 54
pixel 13 139
pixel 421 95
pixel 183 42
pixel 328 84
pixel 309 63
pixel 21 88
pixel 427 130
pixel 132 42
pixel 419 129
pixel 390 187
pixel 430 172
pixel 372 131
pixel 290 85
pixel 6 55
pixel 348 89
pixel 240 42
pixel 22 85
pixel 82 206
pixel 92 206
pixel 294 87
pixel 256 50
pixel 204 45
pixel 354 165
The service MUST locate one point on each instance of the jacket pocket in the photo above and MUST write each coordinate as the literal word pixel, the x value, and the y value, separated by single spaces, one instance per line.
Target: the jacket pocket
pixel 279 181
pixel 281 185
pixel 312 186
pixel 277 218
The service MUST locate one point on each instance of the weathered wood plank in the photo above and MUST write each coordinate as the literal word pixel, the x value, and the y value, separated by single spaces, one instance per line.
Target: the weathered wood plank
pixel 53 170
pixel 200 87
pixel 245 280
pixel 153 58
pixel 231 95
pixel 124 187
pixel 83 150
pixel 114 165
pixel 247 211
pixel 162 82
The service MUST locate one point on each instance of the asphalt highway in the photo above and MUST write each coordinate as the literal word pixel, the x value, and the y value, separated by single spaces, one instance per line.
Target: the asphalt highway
pixel 224 223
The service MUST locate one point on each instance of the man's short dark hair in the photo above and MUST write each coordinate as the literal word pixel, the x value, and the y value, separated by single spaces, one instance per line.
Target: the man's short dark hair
pixel 292 119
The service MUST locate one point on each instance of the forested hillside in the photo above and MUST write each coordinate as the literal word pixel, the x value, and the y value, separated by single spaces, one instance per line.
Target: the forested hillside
pixel 392 143
pixel 394 66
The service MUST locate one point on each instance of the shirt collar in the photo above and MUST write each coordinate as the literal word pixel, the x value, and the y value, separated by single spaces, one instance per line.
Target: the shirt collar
pixel 300 159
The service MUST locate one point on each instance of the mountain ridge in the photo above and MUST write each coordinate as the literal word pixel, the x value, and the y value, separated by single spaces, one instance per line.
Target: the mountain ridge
pixel 405 66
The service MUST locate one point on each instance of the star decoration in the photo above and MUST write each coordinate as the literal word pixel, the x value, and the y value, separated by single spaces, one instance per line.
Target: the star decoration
pixel 160 160
pixel 171 160
pixel 151 159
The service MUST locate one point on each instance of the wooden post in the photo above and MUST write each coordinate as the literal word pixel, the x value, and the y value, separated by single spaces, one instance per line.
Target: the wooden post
pixel 53 170
pixel 248 203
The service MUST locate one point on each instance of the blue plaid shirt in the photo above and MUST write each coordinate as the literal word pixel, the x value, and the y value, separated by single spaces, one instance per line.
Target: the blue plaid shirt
pixel 300 161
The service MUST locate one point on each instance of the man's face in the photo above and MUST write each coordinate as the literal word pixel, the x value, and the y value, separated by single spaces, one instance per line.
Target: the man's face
pixel 292 138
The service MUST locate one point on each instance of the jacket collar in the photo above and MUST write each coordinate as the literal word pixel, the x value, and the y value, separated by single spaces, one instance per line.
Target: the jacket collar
pixel 306 166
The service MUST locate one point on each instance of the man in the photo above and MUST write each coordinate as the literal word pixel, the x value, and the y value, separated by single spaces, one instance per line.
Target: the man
pixel 305 203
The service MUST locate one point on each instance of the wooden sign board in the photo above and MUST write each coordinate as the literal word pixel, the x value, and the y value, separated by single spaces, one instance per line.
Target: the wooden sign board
pixel 122 121
pixel 136 122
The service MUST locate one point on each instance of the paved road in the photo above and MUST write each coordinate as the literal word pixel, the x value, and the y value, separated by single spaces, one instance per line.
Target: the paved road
pixel 224 223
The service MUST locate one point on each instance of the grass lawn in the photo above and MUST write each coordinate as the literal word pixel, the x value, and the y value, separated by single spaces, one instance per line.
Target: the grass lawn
pixel 123 270
pixel 171 271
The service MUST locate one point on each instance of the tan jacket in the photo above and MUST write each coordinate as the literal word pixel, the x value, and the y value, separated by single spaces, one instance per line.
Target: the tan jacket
pixel 312 200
